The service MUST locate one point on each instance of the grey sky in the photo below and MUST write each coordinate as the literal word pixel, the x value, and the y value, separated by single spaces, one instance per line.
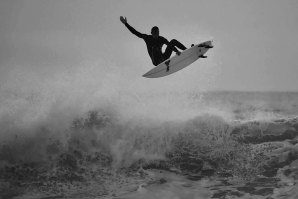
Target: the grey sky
pixel 256 42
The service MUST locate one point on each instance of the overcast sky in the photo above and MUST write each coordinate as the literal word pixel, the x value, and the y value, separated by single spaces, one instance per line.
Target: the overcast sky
pixel 256 42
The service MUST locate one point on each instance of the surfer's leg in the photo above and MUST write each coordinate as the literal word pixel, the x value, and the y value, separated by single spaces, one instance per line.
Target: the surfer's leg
pixel 157 56
pixel 176 43
pixel 168 52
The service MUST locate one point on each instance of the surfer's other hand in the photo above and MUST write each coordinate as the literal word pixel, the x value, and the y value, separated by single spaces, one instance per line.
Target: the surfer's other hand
pixel 123 20
pixel 178 53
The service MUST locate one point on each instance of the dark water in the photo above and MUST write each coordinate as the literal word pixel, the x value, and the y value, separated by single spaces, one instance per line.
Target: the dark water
pixel 165 145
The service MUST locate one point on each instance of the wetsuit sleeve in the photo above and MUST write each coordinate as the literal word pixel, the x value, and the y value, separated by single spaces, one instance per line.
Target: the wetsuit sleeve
pixel 165 41
pixel 133 31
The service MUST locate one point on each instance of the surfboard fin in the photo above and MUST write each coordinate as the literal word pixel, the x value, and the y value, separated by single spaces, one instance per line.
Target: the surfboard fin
pixel 202 56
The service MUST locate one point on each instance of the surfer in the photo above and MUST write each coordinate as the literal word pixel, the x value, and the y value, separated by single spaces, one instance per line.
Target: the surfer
pixel 155 42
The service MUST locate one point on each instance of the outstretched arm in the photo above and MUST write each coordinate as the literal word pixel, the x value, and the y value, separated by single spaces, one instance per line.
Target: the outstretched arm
pixel 131 29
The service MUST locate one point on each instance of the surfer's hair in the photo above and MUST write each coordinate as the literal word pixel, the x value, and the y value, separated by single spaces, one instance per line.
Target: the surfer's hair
pixel 154 29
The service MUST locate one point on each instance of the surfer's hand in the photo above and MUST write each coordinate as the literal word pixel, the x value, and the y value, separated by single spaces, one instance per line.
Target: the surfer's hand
pixel 123 20
pixel 178 53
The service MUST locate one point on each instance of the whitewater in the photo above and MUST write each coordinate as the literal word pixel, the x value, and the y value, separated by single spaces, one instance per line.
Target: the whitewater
pixel 149 145
pixel 86 133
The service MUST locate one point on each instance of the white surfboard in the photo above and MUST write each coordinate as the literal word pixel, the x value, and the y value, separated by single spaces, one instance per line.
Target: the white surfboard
pixel 179 62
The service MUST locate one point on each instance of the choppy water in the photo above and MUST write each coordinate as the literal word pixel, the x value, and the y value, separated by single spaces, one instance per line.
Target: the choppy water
pixel 150 145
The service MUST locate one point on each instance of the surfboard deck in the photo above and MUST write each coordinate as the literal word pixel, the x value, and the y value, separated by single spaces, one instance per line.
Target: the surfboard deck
pixel 178 62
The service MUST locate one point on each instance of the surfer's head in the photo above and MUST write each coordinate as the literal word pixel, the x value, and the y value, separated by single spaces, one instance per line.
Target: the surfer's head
pixel 155 32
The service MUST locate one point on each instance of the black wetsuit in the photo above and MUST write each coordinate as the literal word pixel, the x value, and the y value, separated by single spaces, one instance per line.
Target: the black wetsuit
pixel 154 46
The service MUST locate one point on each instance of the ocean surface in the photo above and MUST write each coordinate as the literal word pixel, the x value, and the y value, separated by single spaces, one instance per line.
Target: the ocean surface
pixel 166 145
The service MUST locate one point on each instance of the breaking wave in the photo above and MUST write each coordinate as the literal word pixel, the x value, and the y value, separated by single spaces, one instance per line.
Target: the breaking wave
pixel 46 141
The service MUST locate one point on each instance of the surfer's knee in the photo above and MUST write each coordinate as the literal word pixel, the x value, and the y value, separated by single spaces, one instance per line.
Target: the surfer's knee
pixel 173 41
